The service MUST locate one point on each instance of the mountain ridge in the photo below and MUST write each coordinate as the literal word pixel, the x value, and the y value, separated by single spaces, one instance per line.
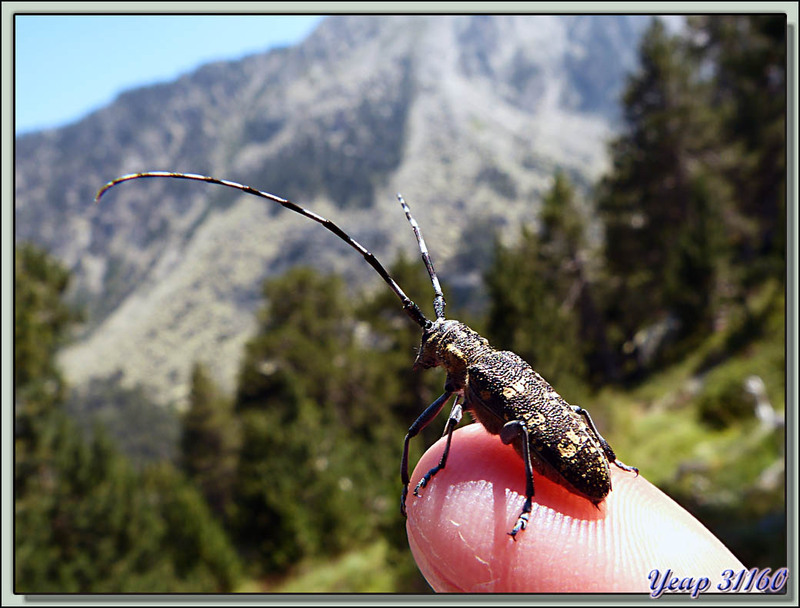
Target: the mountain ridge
pixel 467 115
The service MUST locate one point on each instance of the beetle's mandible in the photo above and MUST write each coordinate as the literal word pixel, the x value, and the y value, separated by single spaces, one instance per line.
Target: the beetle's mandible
pixel 498 388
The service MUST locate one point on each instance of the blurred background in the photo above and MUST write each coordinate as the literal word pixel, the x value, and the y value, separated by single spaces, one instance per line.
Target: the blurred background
pixel 211 392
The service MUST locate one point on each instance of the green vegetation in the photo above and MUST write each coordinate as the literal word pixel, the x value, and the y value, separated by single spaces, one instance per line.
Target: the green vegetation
pixel 210 443
pixel 365 570
pixel 539 305
pixel 672 333
pixel 319 389
pixel 694 432
pixel 85 519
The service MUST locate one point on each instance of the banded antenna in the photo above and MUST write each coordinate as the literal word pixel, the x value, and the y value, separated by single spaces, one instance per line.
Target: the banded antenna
pixel 411 309
pixel 438 300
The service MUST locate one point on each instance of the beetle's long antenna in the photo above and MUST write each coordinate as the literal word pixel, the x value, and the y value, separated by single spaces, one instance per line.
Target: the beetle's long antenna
pixel 438 300
pixel 411 309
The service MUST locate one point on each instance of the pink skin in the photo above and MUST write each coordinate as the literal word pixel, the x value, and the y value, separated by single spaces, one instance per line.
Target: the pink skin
pixel 458 528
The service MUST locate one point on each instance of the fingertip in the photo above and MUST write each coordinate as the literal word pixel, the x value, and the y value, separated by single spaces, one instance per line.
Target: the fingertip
pixel 661 535
pixel 458 528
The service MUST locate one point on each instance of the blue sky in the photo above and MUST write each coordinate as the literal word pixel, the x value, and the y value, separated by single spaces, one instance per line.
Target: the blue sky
pixel 68 65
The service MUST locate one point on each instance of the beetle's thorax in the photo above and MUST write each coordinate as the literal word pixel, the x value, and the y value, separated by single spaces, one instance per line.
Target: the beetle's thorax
pixel 452 345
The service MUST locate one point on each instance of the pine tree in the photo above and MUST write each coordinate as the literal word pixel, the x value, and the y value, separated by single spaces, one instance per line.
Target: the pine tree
pixel 40 322
pixel 210 442
pixel 197 548
pixel 540 304
pixel 661 192
pixel 95 525
pixel 304 406
pixel 746 58
pixel 84 519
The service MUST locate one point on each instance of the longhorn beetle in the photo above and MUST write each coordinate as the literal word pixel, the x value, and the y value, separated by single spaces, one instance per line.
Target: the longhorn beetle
pixel 498 388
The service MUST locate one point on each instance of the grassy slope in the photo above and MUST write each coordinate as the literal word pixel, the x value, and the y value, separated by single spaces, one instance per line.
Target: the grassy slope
pixel 692 430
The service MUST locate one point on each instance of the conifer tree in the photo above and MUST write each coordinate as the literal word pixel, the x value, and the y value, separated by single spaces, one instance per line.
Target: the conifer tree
pixel 538 291
pixel 84 519
pixel 745 56
pixel 210 442
pixel 40 323
pixel 304 408
pixel 660 204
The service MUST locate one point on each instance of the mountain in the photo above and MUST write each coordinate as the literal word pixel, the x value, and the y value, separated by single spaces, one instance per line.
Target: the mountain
pixel 467 116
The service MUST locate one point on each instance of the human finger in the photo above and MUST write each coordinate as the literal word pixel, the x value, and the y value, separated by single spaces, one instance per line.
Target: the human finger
pixel 458 528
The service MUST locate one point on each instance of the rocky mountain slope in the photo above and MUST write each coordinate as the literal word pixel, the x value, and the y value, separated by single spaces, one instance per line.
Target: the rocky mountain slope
pixel 467 116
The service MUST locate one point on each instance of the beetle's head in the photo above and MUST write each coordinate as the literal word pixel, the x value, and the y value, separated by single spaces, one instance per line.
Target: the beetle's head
pixel 433 338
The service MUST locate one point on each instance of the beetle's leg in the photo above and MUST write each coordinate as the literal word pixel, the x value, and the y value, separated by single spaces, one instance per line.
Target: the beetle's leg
pixel 420 423
pixel 612 457
pixel 452 422
pixel 511 431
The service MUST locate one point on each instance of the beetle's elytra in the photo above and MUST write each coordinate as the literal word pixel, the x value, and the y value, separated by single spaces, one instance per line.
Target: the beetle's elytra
pixel 498 388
